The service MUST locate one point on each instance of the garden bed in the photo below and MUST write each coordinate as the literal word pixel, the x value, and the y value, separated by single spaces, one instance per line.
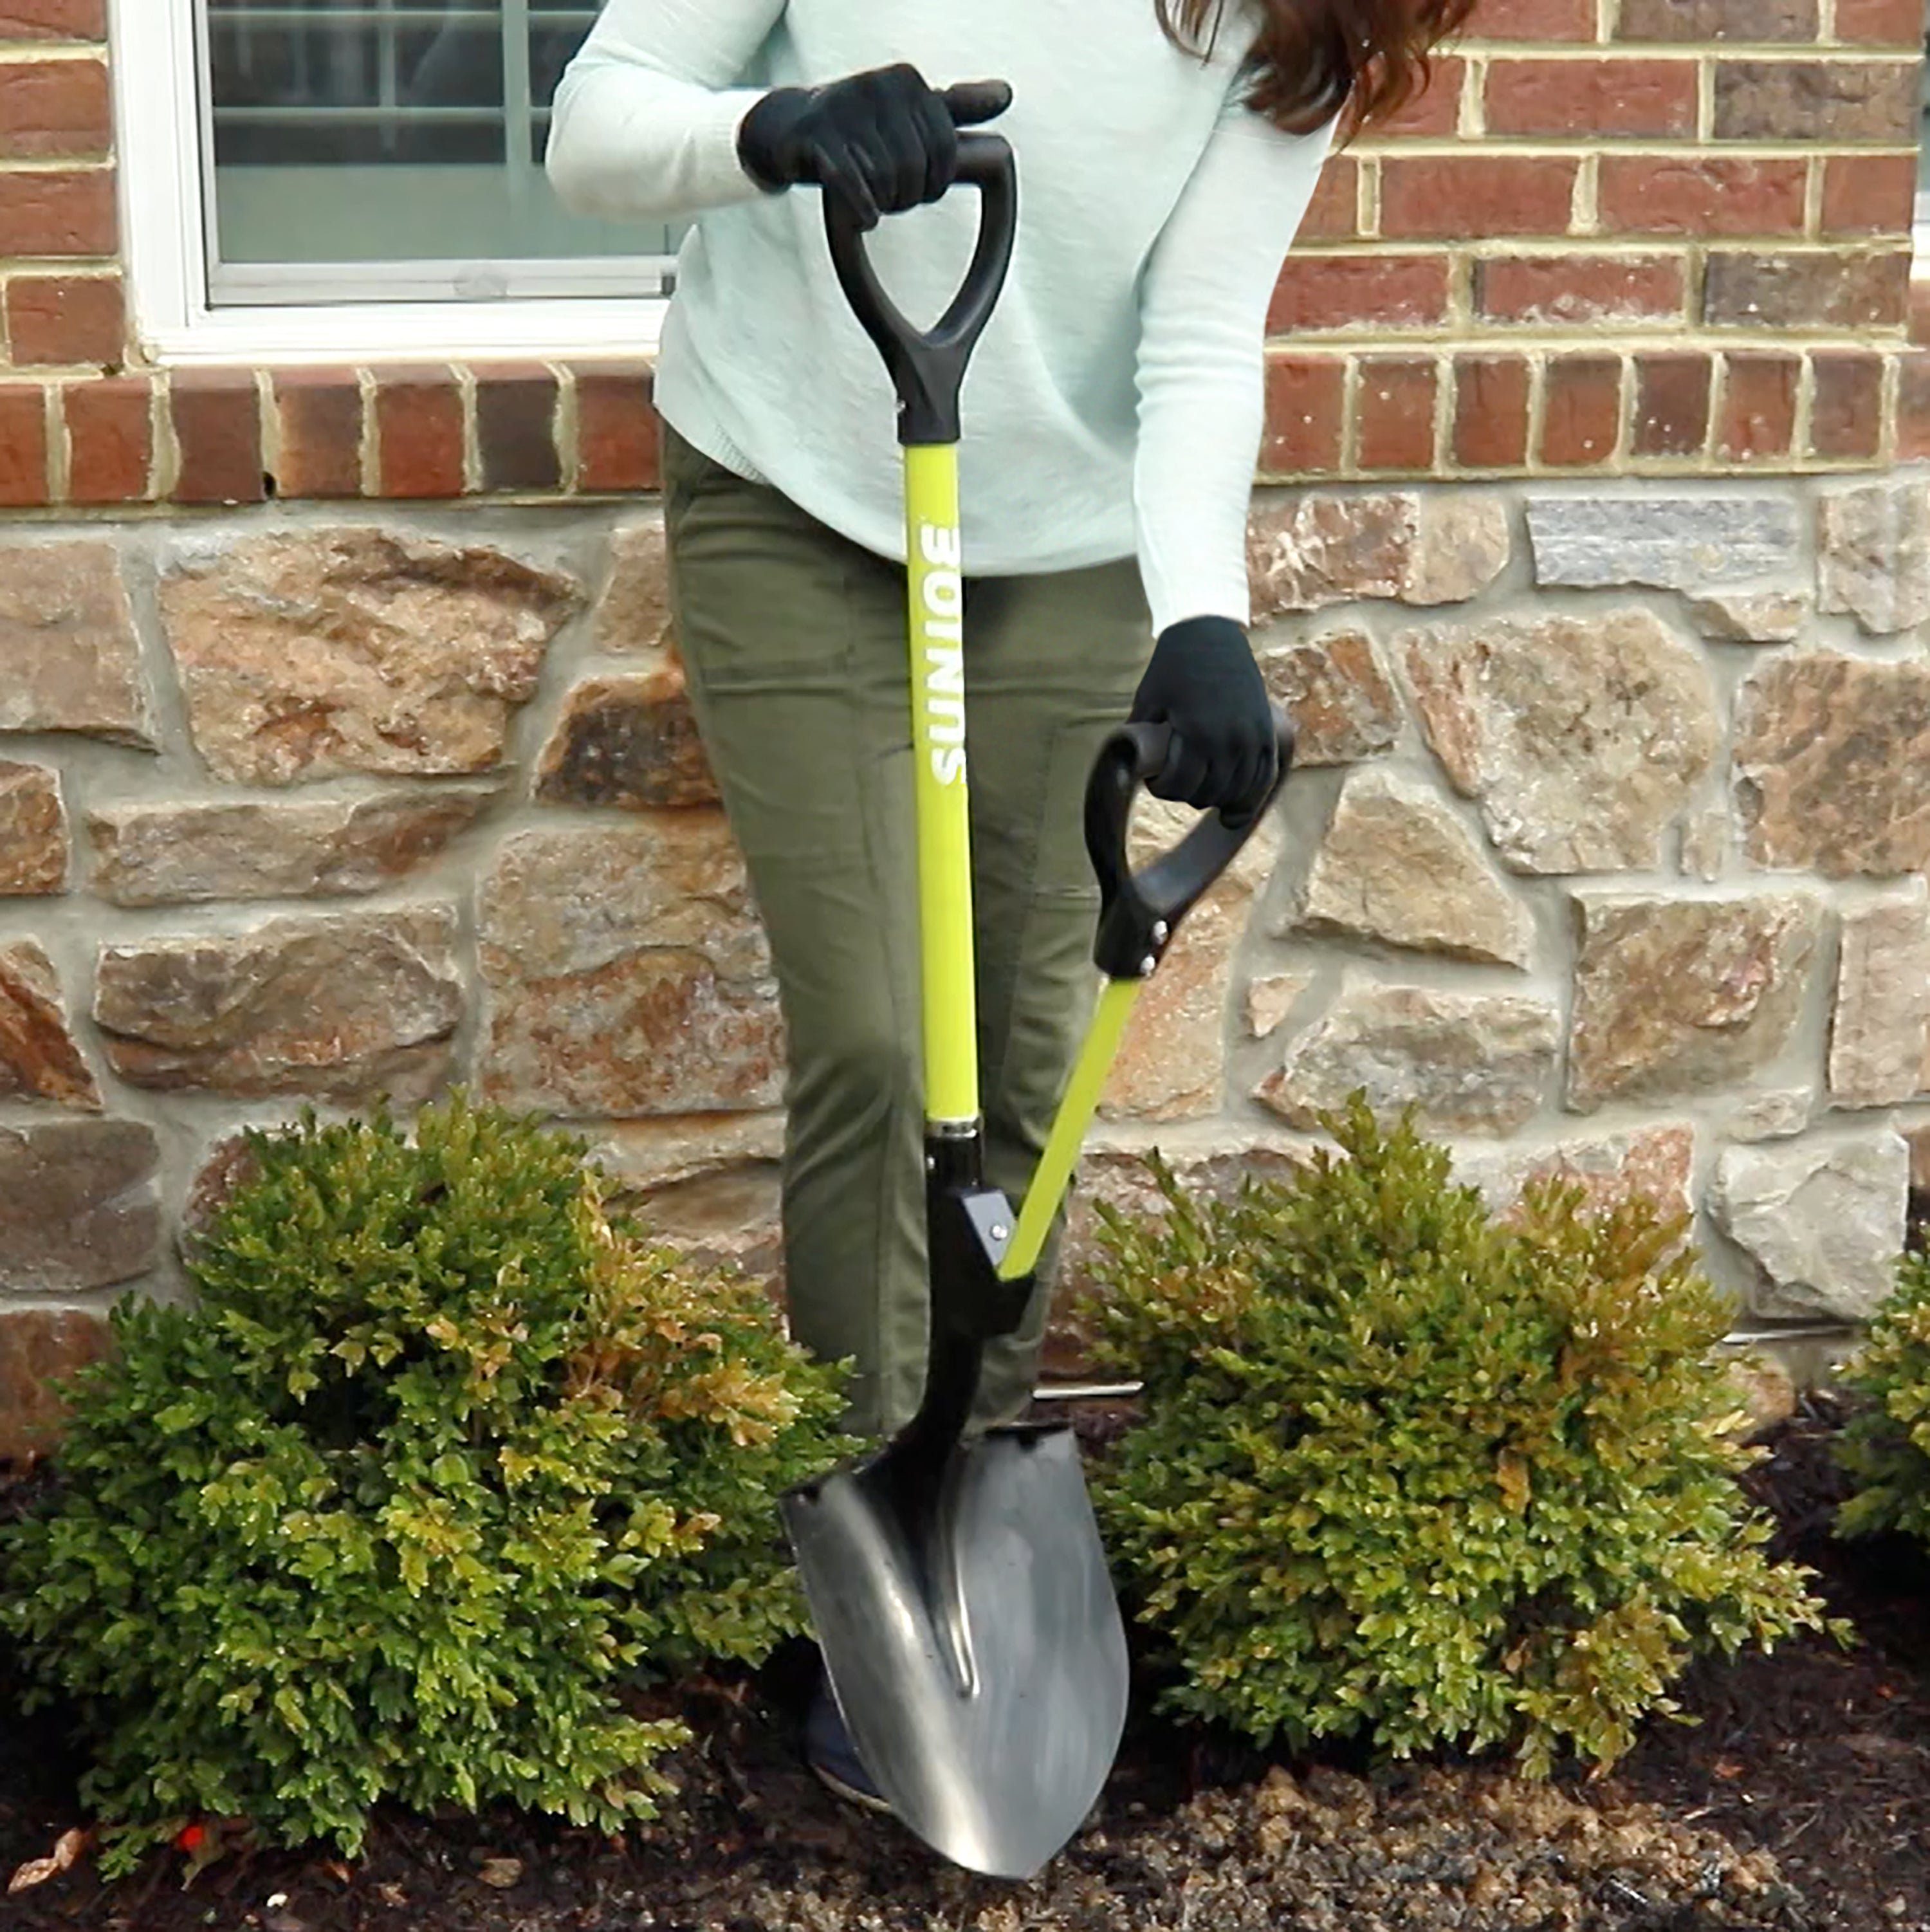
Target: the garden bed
pixel 1801 1803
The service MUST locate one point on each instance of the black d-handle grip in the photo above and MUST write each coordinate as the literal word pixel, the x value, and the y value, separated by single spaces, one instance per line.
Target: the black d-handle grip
pixel 1139 912
pixel 928 369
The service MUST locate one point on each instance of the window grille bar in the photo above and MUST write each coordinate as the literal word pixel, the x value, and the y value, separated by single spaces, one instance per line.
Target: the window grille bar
pixel 518 132
pixel 364 116
pixel 387 87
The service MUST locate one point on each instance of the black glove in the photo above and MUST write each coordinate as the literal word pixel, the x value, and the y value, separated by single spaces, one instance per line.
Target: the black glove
pixel 883 140
pixel 1203 683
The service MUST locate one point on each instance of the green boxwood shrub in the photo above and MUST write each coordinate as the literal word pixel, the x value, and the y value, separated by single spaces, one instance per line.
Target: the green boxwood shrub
pixel 445 1457
pixel 1413 1475
pixel 1885 1448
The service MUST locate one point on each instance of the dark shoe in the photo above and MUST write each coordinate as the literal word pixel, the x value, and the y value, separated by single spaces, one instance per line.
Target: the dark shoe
pixel 829 1751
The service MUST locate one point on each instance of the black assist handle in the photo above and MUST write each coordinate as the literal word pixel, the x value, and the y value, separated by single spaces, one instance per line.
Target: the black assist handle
pixel 1138 912
pixel 927 370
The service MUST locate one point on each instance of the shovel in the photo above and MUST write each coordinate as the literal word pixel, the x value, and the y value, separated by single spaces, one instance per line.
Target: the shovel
pixel 957 1581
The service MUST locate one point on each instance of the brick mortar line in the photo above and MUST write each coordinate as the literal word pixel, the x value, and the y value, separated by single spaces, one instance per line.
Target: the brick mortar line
pixel 1633 147
pixel 567 429
pixel 1884 241
pixel 368 453
pixel 1695 283
pixel 1447 412
pixel 88 164
pixel 1585 199
pixel 1627 261
pixel 472 428
pixel 1531 338
pixel 1577 53
pixel 1718 403
pixel 1705 101
pixel 39 53
pixel 156 411
pixel 1566 348
pixel 1682 469
pixel 1889 411
pixel 68 267
pixel 58 477
pixel 1800 436
pixel 268 429
pixel 71 268
pixel 1470 114
pixel 165 470
pixel 1565 248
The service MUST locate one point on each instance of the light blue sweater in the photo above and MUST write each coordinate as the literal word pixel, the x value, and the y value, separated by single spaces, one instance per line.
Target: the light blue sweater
pixel 1115 407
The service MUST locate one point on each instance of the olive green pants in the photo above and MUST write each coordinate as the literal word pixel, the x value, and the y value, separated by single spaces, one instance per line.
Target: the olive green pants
pixel 794 642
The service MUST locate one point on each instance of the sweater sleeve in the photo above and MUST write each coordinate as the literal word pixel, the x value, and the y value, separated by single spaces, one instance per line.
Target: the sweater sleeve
pixel 1201 368
pixel 646 120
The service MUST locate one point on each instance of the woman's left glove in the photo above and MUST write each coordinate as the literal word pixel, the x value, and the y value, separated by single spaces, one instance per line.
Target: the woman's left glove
pixel 1202 683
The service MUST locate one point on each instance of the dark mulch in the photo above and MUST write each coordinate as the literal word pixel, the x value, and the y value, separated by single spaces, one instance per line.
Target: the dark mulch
pixel 1819 1755
pixel 1801 1803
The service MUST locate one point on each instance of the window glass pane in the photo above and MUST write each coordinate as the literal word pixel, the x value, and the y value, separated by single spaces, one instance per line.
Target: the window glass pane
pixel 401 132
pixel 1923 133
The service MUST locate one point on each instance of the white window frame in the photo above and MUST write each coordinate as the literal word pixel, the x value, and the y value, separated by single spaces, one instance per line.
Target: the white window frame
pixel 160 146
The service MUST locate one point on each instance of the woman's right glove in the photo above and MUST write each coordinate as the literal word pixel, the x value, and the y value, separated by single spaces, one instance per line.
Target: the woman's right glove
pixel 883 140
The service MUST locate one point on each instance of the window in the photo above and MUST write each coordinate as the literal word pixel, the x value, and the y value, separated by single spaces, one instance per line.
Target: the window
pixel 1923 152
pixel 352 179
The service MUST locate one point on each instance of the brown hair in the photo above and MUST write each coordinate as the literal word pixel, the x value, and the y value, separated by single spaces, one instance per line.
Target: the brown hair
pixel 1314 57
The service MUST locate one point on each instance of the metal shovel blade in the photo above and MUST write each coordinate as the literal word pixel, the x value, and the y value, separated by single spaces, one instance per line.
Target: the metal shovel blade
pixel 972 1639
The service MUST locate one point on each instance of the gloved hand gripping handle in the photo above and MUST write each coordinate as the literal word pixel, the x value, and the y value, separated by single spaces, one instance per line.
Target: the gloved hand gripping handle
pixel 927 367
pixel 1139 912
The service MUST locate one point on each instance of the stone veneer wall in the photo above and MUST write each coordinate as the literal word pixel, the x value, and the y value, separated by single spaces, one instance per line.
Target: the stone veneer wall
pixel 340 750
pixel 1607 849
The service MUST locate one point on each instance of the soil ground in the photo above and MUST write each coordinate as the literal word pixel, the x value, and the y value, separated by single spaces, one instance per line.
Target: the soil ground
pixel 1799 1803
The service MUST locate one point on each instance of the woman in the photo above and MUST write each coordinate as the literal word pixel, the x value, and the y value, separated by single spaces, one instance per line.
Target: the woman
pixel 1167 150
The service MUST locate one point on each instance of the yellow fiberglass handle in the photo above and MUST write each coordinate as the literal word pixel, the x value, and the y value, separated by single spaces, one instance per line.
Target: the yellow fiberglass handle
pixel 1081 1102
pixel 934 577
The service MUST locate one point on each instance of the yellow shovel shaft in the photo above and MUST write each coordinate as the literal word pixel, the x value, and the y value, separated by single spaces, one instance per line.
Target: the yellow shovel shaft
pixel 1074 1115
pixel 934 567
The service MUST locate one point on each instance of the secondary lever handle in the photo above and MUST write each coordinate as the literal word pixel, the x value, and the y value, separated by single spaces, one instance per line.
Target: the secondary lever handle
pixel 1139 912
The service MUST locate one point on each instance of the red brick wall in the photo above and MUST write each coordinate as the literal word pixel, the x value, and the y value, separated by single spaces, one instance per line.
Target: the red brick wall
pixel 60 285
pixel 1649 235
pixel 1616 235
